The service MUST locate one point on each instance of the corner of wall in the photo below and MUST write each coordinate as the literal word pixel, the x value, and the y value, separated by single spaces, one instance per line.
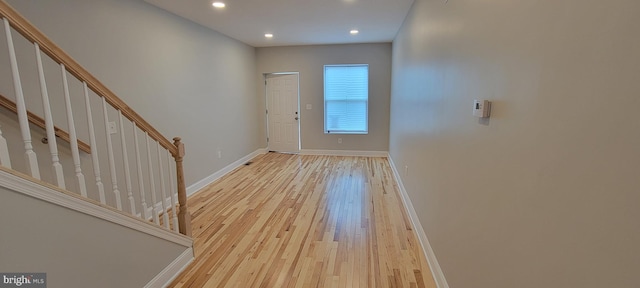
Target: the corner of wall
pixel 195 187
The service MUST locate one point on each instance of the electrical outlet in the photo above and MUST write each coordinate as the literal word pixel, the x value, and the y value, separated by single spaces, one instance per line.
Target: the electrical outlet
pixel 112 128
pixel 406 170
pixel 219 153
pixel 339 140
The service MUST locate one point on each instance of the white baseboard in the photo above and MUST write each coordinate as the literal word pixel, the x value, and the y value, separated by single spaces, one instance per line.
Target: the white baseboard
pixel 436 271
pixel 195 187
pixel 344 153
pixel 169 273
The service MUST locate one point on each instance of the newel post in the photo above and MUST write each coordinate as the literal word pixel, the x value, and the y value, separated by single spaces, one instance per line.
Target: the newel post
pixel 184 218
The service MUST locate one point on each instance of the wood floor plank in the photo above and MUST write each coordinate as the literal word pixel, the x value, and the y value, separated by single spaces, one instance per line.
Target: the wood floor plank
pixel 304 221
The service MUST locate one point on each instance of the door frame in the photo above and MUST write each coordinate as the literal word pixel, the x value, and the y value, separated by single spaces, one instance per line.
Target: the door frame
pixel 266 106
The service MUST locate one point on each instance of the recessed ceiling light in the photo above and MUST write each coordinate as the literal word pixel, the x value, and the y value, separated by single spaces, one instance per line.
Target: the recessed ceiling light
pixel 268 35
pixel 218 4
pixel 354 32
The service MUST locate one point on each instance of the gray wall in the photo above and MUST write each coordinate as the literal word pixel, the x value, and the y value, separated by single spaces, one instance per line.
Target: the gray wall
pixel 75 249
pixel 186 80
pixel 309 61
pixel 545 193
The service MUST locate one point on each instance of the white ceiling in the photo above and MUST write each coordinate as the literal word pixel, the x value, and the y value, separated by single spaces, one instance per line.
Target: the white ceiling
pixel 296 22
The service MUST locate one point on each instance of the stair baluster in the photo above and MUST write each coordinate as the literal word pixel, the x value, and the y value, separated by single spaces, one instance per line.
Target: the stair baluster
pixel 73 139
pixel 112 161
pixel 29 154
pixel 154 199
pixel 94 145
pixel 58 174
pixel 125 159
pixel 144 214
pixel 165 214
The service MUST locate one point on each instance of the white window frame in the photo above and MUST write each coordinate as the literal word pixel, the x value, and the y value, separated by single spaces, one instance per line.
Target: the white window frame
pixel 366 114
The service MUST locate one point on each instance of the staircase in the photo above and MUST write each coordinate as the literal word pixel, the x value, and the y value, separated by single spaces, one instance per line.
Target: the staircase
pixel 69 143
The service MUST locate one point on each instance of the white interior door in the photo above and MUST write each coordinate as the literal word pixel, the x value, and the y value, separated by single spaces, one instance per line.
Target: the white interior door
pixel 283 116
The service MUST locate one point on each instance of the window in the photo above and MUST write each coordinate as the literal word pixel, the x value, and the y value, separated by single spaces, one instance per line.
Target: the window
pixel 346 97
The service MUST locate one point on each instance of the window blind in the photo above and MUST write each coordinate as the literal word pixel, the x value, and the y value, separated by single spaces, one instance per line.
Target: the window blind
pixel 346 97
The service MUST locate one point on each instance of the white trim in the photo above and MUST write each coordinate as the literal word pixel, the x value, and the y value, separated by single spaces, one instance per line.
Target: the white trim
pixel 35 190
pixel 195 187
pixel 169 273
pixel 436 271
pixel 344 153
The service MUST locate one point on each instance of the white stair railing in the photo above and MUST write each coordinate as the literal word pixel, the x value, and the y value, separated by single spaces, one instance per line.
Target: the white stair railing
pixel 175 216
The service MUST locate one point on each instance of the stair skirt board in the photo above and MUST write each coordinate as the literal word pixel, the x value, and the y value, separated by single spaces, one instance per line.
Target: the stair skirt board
pixel 38 191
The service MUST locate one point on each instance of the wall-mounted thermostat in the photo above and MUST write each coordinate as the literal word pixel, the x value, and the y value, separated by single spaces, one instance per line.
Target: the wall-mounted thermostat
pixel 481 108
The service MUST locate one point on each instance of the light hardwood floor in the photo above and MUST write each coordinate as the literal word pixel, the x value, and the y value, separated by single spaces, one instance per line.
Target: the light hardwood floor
pixel 304 221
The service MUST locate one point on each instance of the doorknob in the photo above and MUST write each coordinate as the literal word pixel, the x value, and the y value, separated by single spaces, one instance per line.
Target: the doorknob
pixel 297 118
